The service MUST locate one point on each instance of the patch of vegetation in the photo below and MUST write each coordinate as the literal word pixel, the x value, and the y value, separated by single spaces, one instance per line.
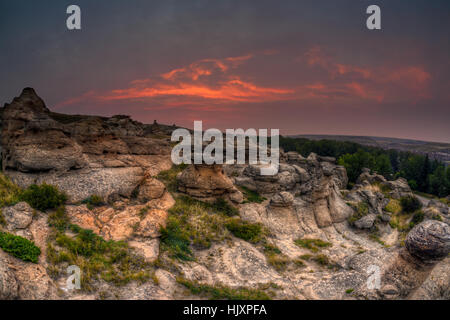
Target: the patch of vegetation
pixel 19 247
pixel 384 188
pixel 222 206
pixel 410 204
pixel 322 259
pixel 361 209
pixel 312 244
pixel 375 237
pixel 299 263
pixel 252 196
pixel 2 219
pixel 176 239
pixel 393 206
pixel 192 222
pixel 348 291
pixel 220 292
pixel 93 201
pixel 275 258
pixel 247 231
pixel 417 218
pixel 58 219
pixel 112 261
pixel 169 177
pixel 9 192
pixel 43 197
pixel 422 174
pixel 306 257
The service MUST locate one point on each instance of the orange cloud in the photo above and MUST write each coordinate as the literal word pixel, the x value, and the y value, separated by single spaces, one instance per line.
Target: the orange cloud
pixel 213 82
pixel 369 82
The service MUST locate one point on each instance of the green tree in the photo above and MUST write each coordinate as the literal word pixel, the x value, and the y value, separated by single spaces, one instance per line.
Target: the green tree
pixel 383 165
pixel 354 163
pixel 438 183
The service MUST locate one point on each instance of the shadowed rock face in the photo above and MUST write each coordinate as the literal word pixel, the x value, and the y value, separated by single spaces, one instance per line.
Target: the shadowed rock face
pixel 429 240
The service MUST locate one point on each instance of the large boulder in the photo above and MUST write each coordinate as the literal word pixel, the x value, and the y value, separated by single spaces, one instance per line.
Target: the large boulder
pixel 430 240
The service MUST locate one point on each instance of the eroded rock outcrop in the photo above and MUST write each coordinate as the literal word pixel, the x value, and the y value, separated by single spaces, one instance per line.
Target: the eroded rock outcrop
pixel 208 183
pixel 425 245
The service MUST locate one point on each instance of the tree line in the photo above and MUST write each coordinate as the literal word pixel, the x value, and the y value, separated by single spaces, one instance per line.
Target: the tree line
pixel 422 173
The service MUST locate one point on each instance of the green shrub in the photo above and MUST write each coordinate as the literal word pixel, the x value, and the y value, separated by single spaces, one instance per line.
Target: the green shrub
pixel 221 292
pixel 252 196
pixel 43 197
pixel 244 230
pixel 361 209
pixel 322 260
pixel 176 240
pixel 417 218
pixel 275 258
pixel 58 219
pixel 410 204
pixel 9 192
pixel 2 219
pixel 19 247
pixel 312 244
pixel 112 261
pixel 93 201
pixel 393 206
pixel 196 222
pixel 222 206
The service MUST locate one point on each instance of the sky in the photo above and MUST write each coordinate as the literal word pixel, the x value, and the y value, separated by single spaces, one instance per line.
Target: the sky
pixel 304 67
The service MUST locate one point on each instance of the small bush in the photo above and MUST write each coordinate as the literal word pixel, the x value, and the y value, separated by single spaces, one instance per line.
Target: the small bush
pixel 198 222
pixel 221 292
pixel 348 291
pixel 93 201
pixel 176 240
pixel 19 247
pixel 312 244
pixel 58 219
pixel 417 218
pixel 393 206
pixel 322 259
pixel 252 196
pixel 220 205
pixel 410 204
pixel 169 177
pixel 112 261
pixel 361 209
pixel 306 257
pixel 43 197
pixel 9 192
pixel 2 219
pixel 244 230
pixel 275 258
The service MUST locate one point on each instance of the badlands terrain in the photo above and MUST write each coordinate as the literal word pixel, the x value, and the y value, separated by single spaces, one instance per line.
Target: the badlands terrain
pixel 139 227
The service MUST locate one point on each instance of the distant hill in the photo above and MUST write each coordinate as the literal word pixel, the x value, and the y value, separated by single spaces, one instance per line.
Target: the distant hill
pixel 435 150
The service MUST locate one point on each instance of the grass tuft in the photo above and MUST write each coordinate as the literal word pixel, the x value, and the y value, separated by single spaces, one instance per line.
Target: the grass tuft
pixel 312 244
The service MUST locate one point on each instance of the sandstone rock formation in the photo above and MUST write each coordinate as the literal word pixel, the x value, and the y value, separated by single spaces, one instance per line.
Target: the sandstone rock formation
pixel 318 240
pixel 207 183
pixel 82 155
